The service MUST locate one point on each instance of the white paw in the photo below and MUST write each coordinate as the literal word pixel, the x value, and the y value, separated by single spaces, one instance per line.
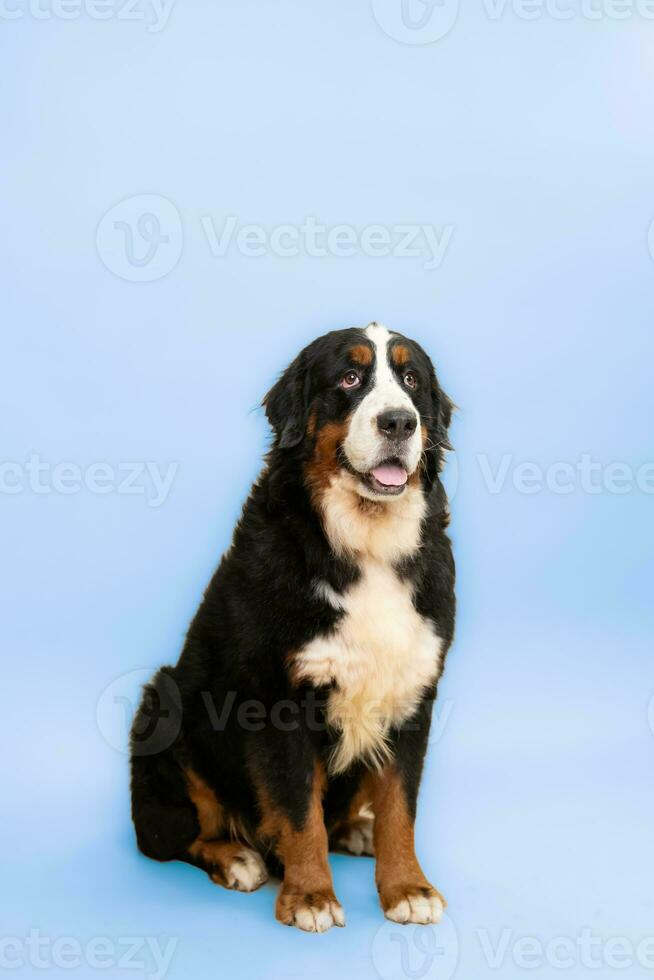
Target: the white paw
pixel 247 871
pixel 358 839
pixel 313 919
pixel 420 909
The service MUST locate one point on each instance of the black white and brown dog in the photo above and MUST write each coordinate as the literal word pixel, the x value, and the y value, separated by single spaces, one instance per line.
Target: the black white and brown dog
pixel 298 715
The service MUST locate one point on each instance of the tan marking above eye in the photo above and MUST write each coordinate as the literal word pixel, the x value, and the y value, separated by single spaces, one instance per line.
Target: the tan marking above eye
pixel 361 354
pixel 400 355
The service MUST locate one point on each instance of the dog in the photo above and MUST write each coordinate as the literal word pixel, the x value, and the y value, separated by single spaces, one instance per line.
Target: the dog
pixel 297 717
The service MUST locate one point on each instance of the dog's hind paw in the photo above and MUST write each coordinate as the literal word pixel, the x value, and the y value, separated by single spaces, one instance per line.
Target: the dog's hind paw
pixel 355 836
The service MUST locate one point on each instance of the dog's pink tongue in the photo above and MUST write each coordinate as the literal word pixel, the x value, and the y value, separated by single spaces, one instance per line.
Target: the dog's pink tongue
pixel 390 476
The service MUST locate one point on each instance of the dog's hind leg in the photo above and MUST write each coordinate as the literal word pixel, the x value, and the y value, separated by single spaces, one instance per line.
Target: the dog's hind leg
pixel 184 821
pixel 177 815
pixel 227 861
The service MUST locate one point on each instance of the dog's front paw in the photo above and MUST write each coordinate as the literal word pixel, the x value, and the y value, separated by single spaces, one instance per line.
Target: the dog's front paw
pixel 422 905
pixel 313 912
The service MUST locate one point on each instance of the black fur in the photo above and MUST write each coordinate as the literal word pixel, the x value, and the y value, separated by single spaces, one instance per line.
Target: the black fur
pixel 259 607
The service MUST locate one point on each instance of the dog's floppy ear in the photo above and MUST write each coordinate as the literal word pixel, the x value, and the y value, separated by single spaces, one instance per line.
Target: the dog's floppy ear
pixel 287 404
pixel 442 416
pixel 443 408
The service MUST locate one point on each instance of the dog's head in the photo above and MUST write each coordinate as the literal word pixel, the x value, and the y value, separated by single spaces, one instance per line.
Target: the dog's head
pixel 365 402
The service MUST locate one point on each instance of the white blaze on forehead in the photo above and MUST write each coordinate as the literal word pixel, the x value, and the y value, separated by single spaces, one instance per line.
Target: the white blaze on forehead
pixel 364 445
pixel 386 387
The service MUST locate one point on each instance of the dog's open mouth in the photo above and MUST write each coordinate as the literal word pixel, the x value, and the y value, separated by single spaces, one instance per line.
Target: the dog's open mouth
pixel 388 478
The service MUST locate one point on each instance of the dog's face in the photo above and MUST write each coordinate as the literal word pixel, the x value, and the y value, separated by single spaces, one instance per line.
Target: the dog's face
pixel 364 401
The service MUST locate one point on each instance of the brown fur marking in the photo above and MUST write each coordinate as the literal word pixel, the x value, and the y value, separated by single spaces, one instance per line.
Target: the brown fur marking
pixel 398 873
pixel 215 855
pixel 293 669
pixel 400 355
pixel 324 462
pixel 307 879
pixel 210 812
pixel 361 354
pixel 215 821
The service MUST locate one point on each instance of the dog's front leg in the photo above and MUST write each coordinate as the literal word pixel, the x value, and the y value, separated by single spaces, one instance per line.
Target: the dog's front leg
pixel 296 828
pixel 404 892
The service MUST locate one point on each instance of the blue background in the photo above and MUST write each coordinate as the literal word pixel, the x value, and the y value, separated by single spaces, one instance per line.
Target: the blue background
pixel 533 139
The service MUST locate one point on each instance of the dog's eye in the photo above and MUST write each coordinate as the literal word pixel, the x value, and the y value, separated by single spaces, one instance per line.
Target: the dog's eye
pixel 410 380
pixel 350 380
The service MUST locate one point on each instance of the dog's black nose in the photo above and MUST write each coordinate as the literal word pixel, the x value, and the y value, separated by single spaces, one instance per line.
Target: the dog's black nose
pixel 397 423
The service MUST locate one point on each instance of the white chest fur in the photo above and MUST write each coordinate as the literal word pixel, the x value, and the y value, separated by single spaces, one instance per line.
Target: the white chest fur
pixel 380 658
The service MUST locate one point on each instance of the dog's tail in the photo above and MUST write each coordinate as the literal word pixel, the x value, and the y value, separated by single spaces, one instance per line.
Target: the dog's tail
pixel 165 819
